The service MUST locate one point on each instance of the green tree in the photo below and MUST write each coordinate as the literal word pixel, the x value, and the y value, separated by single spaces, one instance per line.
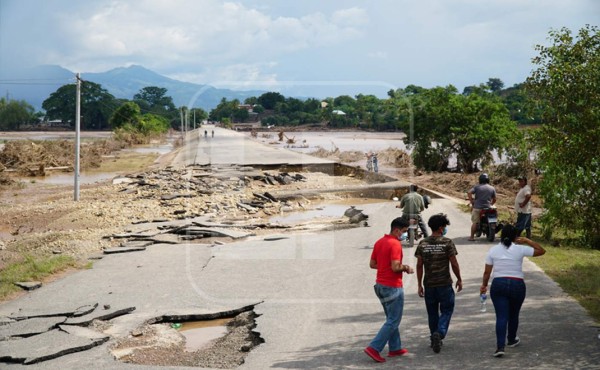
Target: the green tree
pixel 152 124
pixel 14 113
pixel 97 105
pixel 225 109
pixel 521 107
pixel 155 100
pixel 495 84
pixel 567 83
pixel 447 123
pixel 199 114
pixel 128 113
pixel 269 99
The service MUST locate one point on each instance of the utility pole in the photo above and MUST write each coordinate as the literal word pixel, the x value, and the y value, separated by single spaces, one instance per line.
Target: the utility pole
pixel 77 135
pixel 181 120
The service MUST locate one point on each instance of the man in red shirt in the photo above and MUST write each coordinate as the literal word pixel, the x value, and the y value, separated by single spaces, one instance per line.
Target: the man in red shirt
pixel 387 260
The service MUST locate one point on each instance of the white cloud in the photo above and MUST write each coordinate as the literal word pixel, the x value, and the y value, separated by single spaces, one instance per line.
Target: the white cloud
pixel 350 17
pixel 430 42
pixel 206 33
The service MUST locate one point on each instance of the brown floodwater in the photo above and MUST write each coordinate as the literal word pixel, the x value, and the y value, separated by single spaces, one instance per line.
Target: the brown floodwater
pixel 200 334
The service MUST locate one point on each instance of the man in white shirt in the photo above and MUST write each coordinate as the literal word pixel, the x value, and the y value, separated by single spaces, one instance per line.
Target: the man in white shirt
pixel 523 207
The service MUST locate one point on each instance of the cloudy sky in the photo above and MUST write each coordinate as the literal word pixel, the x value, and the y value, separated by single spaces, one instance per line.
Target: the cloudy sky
pixel 369 46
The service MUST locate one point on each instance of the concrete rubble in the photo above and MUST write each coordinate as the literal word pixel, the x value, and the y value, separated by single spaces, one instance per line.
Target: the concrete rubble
pixel 31 337
pixel 198 202
pixel 203 200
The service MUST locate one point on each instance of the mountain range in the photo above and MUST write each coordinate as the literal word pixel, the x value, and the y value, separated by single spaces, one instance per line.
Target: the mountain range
pixel 34 85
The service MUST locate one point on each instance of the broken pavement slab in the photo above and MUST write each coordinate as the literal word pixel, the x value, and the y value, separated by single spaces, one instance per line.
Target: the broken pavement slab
pixel 123 250
pixel 46 346
pixel 105 314
pixel 271 238
pixel 165 239
pixel 215 231
pixel 136 244
pixel 29 285
pixel 79 311
pixel 29 327
pixel 82 332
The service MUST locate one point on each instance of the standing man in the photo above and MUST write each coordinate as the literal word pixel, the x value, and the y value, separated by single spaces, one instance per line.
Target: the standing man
pixel 386 258
pixel 369 161
pixel 485 197
pixel 435 255
pixel 523 207
pixel 412 205
pixel 375 163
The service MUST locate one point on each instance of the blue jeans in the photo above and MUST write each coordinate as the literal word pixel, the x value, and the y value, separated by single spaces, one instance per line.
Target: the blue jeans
pixel 392 300
pixel 439 302
pixel 508 296
pixel 523 223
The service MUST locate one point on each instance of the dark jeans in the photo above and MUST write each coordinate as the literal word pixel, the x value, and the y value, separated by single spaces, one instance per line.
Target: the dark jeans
pixel 440 306
pixel 523 223
pixel 508 296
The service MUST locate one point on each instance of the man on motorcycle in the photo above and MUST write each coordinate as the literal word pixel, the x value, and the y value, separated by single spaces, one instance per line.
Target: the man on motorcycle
pixel 485 197
pixel 412 205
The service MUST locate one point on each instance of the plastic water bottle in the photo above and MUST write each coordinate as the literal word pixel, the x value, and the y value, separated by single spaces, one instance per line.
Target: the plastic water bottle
pixel 482 300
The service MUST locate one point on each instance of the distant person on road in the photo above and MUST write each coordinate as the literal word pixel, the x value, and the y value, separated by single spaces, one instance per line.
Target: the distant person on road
pixel 508 287
pixel 212 133
pixel 205 133
pixel 412 205
pixel 370 161
pixel 375 162
pixel 386 258
pixel 523 207
pixel 435 254
pixel 480 196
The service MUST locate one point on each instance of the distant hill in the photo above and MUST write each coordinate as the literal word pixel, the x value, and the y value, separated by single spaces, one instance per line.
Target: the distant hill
pixel 35 85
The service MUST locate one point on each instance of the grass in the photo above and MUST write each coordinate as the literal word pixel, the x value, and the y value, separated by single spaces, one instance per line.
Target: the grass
pixel 31 269
pixel 126 162
pixel 576 271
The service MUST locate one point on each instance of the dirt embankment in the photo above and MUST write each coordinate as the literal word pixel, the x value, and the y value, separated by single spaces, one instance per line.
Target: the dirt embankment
pixel 397 163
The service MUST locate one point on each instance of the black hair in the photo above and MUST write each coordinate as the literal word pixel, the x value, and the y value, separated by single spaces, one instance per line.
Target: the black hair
pixel 437 221
pixel 399 223
pixel 413 187
pixel 508 236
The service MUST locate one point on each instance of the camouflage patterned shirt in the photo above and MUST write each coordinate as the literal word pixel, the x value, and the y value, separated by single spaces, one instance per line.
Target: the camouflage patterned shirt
pixel 435 252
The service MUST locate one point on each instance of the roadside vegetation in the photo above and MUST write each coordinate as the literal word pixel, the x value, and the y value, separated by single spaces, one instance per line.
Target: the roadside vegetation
pixel 32 269
pixel 576 271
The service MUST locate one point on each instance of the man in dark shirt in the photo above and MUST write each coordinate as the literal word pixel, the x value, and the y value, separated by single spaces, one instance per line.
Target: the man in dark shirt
pixel 480 197
pixel 435 254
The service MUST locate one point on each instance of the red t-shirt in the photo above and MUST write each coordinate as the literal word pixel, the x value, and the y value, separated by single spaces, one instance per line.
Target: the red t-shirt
pixel 385 251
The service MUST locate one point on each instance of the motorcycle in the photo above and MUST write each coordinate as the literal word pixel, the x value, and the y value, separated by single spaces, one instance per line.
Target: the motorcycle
pixel 488 220
pixel 414 231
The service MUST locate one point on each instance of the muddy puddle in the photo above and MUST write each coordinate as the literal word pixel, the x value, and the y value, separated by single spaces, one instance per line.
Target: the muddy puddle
pixel 322 211
pixel 201 334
